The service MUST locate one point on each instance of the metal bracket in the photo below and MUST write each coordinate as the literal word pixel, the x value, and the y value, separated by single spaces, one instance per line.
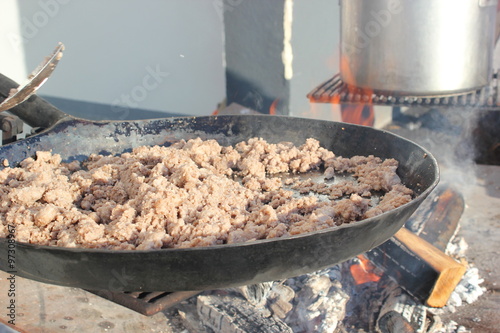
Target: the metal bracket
pixel 11 126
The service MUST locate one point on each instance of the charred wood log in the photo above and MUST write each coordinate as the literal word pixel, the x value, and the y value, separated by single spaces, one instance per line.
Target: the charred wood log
pixel 436 220
pixel 401 314
pixel 226 314
pixel 319 304
pixel 281 298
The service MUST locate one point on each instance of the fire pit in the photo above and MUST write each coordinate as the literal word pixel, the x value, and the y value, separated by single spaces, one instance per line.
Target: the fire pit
pixel 458 224
pixel 358 295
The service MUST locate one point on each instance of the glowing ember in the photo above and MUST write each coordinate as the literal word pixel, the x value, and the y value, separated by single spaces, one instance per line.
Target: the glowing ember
pixel 363 272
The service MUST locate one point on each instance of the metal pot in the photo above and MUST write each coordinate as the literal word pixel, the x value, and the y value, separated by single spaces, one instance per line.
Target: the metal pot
pixel 424 47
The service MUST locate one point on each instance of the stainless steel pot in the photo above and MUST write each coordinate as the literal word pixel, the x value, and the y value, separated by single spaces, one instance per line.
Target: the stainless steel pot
pixel 421 47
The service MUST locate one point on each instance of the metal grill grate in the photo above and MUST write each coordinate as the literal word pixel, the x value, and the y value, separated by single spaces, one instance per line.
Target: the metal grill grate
pixel 336 91
pixel 146 303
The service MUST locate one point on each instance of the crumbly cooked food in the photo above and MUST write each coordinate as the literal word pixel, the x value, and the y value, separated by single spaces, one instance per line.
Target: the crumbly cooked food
pixel 194 193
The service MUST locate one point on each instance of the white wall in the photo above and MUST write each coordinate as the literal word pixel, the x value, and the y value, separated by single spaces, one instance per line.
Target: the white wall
pixel 12 62
pixel 114 46
pixel 156 55
pixel 315 40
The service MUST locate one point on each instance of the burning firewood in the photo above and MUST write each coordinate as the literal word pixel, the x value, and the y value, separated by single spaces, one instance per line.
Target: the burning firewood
pixel 436 221
pixel 422 268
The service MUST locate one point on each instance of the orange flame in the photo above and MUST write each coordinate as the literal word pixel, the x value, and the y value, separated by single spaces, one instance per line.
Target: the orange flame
pixel 272 108
pixel 364 271
pixel 360 113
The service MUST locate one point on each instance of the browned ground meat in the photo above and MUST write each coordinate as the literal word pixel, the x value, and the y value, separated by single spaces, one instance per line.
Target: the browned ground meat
pixel 194 193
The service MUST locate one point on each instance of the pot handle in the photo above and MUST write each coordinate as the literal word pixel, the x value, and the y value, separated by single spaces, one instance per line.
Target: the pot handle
pixel 35 111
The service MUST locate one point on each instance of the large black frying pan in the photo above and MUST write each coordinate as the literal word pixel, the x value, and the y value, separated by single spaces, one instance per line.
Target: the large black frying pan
pixel 217 266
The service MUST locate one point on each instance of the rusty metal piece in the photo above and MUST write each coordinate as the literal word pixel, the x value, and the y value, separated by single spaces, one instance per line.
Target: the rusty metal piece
pixel 146 303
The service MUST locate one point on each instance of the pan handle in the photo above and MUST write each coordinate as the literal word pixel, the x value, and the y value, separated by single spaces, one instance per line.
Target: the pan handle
pixel 35 111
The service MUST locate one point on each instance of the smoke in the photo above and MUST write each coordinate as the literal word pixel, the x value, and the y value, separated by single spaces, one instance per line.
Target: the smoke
pixel 448 133
pixel 457 155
